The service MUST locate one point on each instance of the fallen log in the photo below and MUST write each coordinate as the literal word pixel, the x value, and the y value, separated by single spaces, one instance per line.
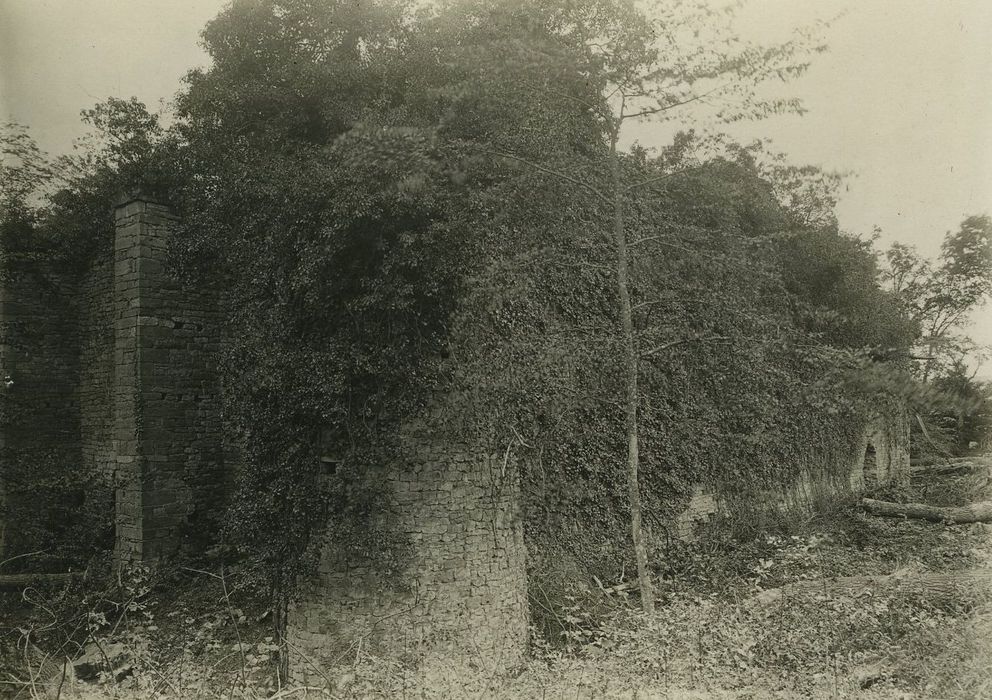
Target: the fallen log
pixel 973 513
pixel 974 585
pixel 948 469
pixel 927 461
pixel 8 581
pixel 972 458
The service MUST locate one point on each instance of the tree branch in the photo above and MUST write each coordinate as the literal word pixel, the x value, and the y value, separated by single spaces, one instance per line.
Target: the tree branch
pixel 660 178
pixel 547 171
pixel 681 103
pixel 585 103
pixel 673 343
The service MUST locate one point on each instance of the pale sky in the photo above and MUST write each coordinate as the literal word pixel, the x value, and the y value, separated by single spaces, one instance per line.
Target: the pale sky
pixel 903 98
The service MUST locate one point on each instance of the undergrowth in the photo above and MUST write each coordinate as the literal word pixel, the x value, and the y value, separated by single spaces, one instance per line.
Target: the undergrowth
pixel 199 634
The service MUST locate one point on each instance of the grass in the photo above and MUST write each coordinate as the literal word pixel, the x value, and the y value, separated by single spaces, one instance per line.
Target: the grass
pixel 709 638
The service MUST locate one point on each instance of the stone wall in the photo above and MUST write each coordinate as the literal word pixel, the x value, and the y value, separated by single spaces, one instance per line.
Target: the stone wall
pixel 115 386
pixel 167 413
pixel 115 374
pixel 880 456
pixel 94 299
pixel 702 505
pixel 39 421
pixel 461 587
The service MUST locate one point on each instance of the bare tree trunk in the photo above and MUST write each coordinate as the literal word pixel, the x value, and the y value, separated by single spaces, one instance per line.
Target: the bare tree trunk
pixel 929 363
pixel 630 382
pixel 280 608
pixel 974 513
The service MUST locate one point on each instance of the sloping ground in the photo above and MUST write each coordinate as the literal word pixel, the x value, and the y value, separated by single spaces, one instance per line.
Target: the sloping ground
pixel 819 642
pixel 713 638
pixel 962 667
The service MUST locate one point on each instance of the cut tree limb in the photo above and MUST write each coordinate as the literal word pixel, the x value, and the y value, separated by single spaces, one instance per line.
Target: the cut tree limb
pixel 9 581
pixel 973 513
pixel 948 469
pixel 974 584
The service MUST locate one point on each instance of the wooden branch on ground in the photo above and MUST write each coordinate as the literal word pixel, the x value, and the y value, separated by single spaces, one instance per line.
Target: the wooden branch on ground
pixel 14 581
pixel 972 513
pixel 976 585
pixel 981 461
pixel 947 469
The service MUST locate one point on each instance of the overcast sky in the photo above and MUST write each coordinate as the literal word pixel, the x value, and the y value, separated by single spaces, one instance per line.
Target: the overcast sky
pixel 903 98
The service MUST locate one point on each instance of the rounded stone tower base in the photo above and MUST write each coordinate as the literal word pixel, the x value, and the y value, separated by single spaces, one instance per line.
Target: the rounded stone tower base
pixel 462 591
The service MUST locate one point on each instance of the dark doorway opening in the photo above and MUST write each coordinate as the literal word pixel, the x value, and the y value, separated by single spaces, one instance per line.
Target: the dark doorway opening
pixel 870 469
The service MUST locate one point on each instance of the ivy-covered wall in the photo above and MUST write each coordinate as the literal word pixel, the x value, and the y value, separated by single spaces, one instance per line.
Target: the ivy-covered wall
pixel 39 407
pixel 115 378
pixel 112 419
pixel 881 456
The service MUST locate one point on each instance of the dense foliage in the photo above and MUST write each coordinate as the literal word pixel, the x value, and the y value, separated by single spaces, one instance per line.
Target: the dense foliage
pixel 397 205
pixel 939 298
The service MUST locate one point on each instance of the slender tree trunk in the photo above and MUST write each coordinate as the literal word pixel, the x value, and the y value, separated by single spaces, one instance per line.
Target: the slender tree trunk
pixel 280 608
pixel 630 383
pixel 928 365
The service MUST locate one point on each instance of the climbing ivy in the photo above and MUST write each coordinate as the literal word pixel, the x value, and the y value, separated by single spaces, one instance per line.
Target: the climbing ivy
pixel 341 177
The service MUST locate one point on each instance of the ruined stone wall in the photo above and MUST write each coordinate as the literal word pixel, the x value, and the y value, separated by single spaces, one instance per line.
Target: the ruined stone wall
pixel 167 413
pixel 94 299
pixel 39 420
pixel 115 373
pixel 115 386
pixel 703 504
pixel 461 588
pixel 880 456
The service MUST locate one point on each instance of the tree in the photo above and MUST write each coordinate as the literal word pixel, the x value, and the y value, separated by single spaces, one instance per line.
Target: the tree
pixel 24 169
pixel 644 65
pixel 940 298
pixel 965 416
pixel 418 124
pixel 61 208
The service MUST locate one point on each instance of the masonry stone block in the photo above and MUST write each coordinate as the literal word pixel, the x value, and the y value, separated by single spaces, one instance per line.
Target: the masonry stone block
pixel 880 456
pixel 463 590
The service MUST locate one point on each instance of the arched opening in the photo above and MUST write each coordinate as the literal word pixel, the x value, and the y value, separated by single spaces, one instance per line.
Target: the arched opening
pixel 870 468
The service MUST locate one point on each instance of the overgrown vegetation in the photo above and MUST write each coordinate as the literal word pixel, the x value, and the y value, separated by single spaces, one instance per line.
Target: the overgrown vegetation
pixel 195 633
pixel 409 208
pixel 402 216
